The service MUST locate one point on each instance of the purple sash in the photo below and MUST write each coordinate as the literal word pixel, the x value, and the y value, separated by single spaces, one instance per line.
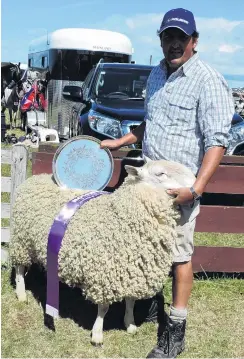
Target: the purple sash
pixel 55 238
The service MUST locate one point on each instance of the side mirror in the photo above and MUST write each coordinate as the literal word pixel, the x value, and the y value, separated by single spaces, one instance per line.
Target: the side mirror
pixel 73 93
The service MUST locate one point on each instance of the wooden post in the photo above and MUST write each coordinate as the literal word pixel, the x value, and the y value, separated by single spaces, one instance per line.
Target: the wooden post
pixel 18 171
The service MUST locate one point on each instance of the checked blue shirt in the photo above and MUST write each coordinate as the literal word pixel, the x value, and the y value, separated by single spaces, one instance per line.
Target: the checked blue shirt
pixel 186 114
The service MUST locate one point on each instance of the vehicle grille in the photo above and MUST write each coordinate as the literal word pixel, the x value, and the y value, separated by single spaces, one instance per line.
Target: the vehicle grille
pixel 139 144
pixel 129 126
pixel 133 127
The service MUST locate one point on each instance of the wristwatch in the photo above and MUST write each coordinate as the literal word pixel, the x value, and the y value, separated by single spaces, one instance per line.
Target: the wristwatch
pixel 196 196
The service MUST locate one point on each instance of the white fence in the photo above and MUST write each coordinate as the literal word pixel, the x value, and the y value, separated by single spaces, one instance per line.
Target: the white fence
pixel 17 157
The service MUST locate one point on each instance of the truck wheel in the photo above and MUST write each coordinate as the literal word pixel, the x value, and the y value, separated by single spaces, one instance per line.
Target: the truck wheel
pixel 239 151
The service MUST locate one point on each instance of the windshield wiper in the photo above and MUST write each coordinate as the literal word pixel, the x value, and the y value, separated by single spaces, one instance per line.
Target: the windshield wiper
pixel 135 98
pixel 123 97
pixel 116 95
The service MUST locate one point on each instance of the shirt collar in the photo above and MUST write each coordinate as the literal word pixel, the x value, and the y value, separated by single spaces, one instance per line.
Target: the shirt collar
pixel 187 67
pixel 190 65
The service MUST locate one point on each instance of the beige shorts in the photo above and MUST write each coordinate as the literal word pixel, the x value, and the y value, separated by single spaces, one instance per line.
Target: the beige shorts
pixel 184 247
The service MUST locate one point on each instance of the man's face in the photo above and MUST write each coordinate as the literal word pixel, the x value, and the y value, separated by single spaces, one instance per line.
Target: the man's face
pixel 177 47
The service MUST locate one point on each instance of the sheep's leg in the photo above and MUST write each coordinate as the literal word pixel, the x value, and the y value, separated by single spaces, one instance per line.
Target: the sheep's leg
pixel 20 283
pixel 97 330
pixel 129 316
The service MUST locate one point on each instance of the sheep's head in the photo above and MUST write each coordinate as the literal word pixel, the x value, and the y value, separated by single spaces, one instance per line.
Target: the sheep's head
pixel 163 174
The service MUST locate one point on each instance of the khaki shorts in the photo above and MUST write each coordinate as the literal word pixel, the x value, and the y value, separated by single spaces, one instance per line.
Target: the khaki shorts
pixel 184 247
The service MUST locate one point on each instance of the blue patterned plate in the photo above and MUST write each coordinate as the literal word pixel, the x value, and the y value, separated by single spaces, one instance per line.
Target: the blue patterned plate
pixel 80 163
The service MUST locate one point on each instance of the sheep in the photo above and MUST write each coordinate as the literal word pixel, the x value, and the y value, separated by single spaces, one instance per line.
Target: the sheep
pixel 116 247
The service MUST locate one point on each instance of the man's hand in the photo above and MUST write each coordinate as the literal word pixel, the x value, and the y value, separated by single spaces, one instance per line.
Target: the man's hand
pixel 183 195
pixel 111 144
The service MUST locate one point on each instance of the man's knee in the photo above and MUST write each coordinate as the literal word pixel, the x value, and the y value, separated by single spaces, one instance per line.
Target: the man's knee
pixel 182 267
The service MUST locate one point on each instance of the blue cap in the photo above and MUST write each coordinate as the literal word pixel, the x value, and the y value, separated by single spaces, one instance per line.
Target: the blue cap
pixel 180 18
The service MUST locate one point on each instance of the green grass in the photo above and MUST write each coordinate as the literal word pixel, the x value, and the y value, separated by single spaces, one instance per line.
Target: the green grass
pixel 17 131
pixel 219 239
pixel 214 328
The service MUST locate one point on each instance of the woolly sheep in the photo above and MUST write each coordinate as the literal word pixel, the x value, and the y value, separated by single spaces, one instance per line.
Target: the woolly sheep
pixel 116 246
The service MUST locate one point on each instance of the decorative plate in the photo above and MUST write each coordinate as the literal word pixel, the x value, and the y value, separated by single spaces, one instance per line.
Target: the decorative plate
pixel 80 163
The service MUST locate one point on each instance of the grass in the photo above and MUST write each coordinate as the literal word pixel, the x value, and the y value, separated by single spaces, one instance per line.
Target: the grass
pixel 219 239
pixel 215 324
pixel 17 131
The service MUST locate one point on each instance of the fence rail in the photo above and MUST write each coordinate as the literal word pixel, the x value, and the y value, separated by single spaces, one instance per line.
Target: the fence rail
pixel 5 210
pixel 6 157
pixel 6 184
pixel 17 157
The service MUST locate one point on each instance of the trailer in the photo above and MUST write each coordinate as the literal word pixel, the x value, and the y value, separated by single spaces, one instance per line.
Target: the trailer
pixel 65 57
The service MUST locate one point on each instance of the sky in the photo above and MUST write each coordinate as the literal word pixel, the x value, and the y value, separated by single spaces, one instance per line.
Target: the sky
pixel 219 22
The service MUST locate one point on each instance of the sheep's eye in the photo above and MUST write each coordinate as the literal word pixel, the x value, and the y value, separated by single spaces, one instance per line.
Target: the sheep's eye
pixel 160 174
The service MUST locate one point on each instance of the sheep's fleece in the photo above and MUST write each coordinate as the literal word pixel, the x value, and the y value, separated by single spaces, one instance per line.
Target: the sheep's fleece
pixel 116 246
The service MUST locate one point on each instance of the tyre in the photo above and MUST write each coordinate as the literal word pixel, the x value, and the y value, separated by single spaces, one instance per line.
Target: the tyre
pixel 239 150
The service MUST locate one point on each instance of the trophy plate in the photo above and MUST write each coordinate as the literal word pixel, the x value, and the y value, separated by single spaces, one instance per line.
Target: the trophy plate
pixel 80 163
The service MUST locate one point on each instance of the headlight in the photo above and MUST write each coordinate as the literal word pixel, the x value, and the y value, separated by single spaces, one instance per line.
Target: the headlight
pixel 104 124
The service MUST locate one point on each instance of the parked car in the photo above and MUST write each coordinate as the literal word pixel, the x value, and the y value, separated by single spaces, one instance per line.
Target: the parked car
pixel 236 136
pixel 112 100
pixel 111 103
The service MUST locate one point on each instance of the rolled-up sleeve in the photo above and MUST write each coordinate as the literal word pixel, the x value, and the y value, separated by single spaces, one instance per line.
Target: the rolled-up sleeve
pixel 215 112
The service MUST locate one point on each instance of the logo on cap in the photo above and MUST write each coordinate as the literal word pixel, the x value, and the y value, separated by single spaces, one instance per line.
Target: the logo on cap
pixel 178 19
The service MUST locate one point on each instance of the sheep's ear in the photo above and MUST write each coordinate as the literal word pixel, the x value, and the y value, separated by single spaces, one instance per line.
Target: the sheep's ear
pixel 147 159
pixel 131 170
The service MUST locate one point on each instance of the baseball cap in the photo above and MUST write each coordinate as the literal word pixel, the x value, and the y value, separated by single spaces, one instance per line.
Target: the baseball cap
pixel 180 18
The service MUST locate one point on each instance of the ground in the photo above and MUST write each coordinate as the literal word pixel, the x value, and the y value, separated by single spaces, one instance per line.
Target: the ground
pixel 215 323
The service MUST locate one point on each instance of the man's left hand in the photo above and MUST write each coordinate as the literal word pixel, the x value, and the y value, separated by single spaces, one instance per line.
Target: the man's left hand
pixel 182 195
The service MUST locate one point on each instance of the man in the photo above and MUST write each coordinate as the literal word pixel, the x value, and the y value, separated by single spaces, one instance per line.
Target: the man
pixel 189 108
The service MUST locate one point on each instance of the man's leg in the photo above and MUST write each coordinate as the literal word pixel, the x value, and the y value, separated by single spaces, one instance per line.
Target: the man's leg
pixel 182 284
pixel 171 331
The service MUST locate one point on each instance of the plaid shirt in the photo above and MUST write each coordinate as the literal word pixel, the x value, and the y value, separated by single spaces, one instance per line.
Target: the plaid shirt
pixel 186 114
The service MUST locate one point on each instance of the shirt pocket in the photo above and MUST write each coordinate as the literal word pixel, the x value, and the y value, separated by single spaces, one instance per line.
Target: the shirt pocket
pixel 181 108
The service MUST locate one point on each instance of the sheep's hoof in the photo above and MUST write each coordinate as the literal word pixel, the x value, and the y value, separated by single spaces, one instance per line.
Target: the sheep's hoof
pixel 97 339
pixel 22 297
pixel 132 329
pixel 97 345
